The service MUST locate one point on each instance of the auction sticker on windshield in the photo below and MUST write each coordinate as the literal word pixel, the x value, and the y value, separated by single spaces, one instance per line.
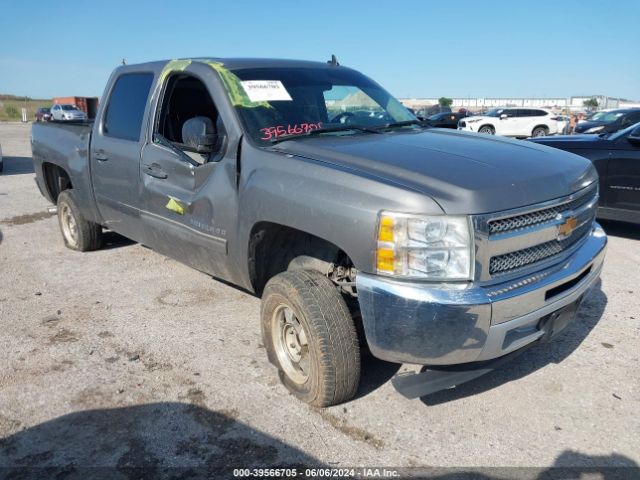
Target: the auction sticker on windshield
pixel 265 90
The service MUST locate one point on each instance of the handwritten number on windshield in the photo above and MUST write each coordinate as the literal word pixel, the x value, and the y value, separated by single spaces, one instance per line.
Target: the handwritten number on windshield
pixel 270 133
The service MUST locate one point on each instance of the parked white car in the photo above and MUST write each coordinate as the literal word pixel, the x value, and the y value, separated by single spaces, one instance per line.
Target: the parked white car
pixel 512 122
pixel 67 112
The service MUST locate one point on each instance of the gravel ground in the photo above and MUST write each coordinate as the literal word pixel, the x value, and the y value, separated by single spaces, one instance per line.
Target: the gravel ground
pixel 124 358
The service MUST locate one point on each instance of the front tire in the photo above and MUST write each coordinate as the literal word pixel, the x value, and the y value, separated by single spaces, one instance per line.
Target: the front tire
pixel 78 233
pixel 487 129
pixel 310 337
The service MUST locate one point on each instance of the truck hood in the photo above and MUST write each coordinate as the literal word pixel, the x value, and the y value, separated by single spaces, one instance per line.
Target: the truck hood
pixel 464 173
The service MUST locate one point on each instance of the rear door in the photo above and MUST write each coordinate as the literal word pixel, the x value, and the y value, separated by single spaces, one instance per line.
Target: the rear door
pixel 115 154
pixel 529 118
pixel 509 126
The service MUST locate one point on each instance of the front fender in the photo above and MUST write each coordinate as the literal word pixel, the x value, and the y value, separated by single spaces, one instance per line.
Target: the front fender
pixel 336 205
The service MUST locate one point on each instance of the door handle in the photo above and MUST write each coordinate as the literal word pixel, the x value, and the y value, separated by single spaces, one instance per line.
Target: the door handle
pixel 154 170
pixel 100 156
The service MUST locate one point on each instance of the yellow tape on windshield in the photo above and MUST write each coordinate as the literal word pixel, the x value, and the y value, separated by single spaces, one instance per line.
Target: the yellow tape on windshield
pixel 238 96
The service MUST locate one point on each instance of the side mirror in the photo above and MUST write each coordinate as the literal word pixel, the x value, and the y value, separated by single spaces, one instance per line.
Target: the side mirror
pixel 198 134
pixel 503 116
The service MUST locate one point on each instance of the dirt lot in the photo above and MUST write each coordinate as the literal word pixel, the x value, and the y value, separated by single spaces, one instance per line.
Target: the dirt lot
pixel 122 358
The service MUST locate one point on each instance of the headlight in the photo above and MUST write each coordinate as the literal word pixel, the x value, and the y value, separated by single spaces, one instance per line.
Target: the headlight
pixel 437 247
pixel 473 120
pixel 594 129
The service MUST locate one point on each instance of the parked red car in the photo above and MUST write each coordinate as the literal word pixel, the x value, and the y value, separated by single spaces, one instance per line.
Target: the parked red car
pixel 43 114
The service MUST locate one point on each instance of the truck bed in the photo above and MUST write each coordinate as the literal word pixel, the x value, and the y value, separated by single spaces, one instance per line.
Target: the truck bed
pixel 64 145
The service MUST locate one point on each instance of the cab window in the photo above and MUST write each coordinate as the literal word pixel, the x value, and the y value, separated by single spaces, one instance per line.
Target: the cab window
pixel 127 103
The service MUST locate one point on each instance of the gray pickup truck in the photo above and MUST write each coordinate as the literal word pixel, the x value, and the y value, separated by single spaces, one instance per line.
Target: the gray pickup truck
pixel 309 185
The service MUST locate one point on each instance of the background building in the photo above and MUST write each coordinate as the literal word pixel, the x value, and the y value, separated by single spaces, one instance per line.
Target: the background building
pixel 573 104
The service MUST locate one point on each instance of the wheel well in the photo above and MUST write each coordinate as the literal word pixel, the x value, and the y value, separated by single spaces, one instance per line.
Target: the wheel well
pixel 546 127
pixel 487 125
pixel 56 180
pixel 275 248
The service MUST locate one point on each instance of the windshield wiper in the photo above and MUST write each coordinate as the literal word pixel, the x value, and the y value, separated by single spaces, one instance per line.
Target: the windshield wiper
pixel 406 123
pixel 320 131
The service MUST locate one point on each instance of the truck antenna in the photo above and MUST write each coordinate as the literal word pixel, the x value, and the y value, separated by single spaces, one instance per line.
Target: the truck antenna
pixel 333 61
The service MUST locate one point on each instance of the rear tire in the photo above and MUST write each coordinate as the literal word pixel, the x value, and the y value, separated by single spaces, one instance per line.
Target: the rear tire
pixel 540 132
pixel 78 233
pixel 487 129
pixel 310 337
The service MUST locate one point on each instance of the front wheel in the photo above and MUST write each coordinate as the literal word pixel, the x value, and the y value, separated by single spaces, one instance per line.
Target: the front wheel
pixel 78 233
pixel 487 129
pixel 310 337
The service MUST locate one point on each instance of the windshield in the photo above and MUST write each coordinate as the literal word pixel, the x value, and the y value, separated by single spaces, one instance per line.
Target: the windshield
pixel 606 117
pixel 496 112
pixel 275 103
pixel 69 107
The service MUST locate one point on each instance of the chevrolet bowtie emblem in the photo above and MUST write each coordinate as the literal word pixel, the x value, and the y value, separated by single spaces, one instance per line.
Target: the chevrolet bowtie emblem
pixel 566 228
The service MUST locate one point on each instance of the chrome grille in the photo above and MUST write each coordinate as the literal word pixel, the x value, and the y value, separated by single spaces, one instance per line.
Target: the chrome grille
pixel 514 242
pixel 522 258
pixel 538 217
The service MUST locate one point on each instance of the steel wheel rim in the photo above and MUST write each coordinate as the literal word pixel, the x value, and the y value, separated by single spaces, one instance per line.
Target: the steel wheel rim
pixel 540 133
pixel 291 344
pixel 69 225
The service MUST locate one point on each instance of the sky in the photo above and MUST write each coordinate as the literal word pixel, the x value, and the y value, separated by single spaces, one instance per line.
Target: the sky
pixel 421 48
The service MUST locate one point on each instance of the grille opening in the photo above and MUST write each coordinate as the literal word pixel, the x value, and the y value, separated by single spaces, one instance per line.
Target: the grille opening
pixel 566 286
pixel 519 222
pixel 510 262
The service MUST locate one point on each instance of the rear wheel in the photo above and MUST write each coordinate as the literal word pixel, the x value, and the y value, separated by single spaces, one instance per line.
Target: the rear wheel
pixel 540 132
pixel 78 233
pixel 488 129
pixel 310 337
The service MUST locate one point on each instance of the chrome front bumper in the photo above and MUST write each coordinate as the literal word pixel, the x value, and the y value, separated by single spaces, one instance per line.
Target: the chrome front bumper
pixel 446 324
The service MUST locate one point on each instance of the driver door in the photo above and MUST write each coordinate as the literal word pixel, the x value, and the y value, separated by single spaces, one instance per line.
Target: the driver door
pixel 185 193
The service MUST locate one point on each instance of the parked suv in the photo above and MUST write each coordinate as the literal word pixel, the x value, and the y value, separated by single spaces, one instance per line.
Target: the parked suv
pixel 512 122
pixel 67 112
